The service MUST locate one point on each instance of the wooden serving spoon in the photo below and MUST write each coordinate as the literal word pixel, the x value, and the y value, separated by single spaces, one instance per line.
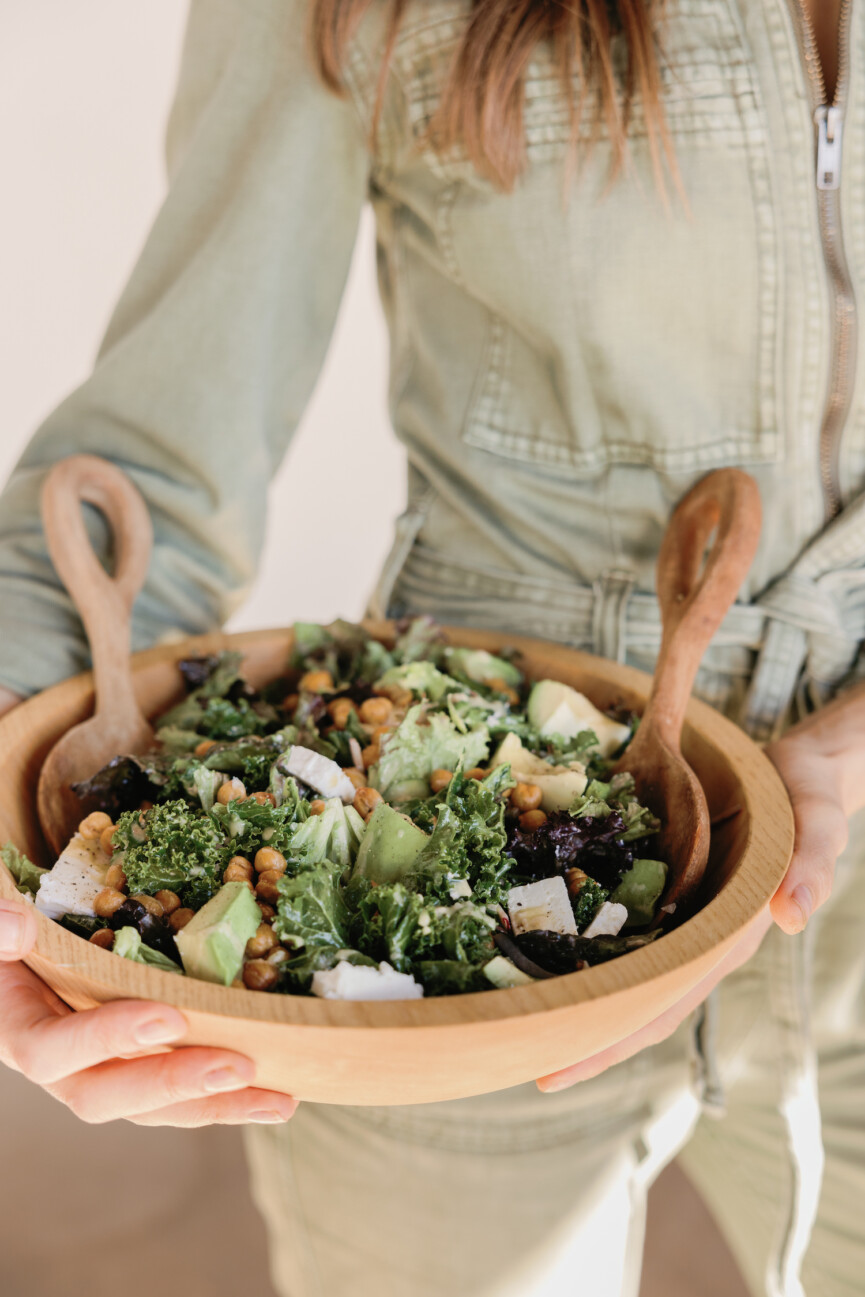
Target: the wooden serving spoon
pixel 695 591
pixel 105 604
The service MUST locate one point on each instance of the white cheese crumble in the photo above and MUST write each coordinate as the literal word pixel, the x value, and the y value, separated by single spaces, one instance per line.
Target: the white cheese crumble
pixel 322 774
pixel 609 920
pixel 364 982
pixel 76 880
pixel 543 906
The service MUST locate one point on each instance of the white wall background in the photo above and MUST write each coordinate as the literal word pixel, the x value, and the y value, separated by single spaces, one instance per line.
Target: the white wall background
pixel 85 88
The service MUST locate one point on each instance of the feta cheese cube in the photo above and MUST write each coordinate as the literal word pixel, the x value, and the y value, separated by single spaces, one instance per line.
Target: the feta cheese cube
pixel 364 982
pixel 609 920
pixel 322 774
pixel 543 906
pixel 75 881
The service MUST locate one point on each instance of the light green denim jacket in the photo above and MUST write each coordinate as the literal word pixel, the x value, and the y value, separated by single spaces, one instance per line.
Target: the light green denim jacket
pixel 565 362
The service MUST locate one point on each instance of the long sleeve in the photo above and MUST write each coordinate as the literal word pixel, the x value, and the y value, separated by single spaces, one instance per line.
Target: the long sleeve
pixel 217 340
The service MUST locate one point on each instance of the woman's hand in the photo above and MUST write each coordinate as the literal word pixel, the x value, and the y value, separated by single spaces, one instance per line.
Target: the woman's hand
pixel 822 763
pixel 114 1061
pixel 662 1027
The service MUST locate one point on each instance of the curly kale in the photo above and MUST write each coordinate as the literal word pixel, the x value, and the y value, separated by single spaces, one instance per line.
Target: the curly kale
pixel 468 840
pixel 248 825
pixel 172 846
pixel 587 902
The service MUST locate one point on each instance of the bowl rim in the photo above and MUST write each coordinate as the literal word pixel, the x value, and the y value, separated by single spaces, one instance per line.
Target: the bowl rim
pixel 765 856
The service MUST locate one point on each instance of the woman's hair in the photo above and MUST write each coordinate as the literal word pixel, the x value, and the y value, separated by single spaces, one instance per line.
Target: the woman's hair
pixel 482 102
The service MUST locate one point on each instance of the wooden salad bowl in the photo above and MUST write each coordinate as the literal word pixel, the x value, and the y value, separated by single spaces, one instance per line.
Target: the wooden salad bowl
pixel 432 1049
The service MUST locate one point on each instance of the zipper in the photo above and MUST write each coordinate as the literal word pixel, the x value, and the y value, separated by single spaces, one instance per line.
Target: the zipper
pixel 829 123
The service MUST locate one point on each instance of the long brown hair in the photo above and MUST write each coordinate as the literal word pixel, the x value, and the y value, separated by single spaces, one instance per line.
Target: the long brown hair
pixel 482 103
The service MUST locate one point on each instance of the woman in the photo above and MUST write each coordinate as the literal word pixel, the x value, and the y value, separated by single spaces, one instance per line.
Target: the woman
pixel 582 326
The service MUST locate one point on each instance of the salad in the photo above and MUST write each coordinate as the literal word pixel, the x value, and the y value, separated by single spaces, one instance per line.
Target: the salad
pixel 380 823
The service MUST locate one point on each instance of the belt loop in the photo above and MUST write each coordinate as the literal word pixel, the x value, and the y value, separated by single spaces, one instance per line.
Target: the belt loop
pixel 612 590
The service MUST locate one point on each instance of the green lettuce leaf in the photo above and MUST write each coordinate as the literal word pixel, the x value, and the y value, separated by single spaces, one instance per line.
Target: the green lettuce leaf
pixel 128 944
pixel 23 870
pixel 426 741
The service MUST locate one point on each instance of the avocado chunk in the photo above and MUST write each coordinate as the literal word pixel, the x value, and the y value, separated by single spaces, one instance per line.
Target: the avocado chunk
pixel 390 846
pixel 504 973
pixel 212 944
pixel 559 785
pixel 640 889
pixel 556 708
pixel 481 666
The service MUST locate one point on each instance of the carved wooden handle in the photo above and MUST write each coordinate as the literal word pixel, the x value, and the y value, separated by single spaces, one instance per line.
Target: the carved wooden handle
pixel 104 601
pixel 695 590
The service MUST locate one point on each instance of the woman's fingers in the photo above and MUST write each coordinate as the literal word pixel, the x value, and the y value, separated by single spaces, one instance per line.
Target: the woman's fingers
pixel 821 832
pixel 17 930
pixel 48 1043
pixel 239 1109
pixel 125 1088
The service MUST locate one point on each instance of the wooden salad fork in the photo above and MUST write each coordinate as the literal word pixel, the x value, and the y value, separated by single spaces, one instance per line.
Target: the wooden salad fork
pixel 695 590
pixel 104 603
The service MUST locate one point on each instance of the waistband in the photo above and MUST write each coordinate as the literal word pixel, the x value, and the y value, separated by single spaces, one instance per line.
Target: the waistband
pixel 800 641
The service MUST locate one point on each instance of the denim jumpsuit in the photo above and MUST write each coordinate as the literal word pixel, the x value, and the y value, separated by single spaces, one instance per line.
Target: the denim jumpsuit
pixel 566 361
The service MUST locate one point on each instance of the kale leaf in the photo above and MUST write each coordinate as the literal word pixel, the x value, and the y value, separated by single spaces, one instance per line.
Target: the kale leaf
pixel 172 846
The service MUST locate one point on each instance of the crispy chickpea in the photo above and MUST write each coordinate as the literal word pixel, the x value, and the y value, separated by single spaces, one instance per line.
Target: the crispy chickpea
pixel 316 806
pixel 574 878
pixel 104 937
pixel 263 941
pixel 339 711
pixel 93 826
pixel 532 819
pixel 476 772
pixel 180 918
pixel 106 840
pixel 202 749
pixel 380 732
pixel 267 887
pixel 233 790
pixel 267 860
pixel 366 800
pixel 357 777
pixel 259 975
pixel 398 694
pixel 107 901
pixel 278 955
pixel 116 878
pixel 317 682
pixel 169 901
pixel 237 870
pixel 150 903
pixel 267 911
pixel 502 687
pixel 370 755
pixel 263 799
pixel 290 702
pixel 439 779
pixel 375 711
pixel 526 797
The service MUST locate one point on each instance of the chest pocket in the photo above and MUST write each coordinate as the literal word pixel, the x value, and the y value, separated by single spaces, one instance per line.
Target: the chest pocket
pixel 618 331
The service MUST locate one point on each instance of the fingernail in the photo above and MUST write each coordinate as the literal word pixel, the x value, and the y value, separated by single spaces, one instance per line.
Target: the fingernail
pixel 158 1031
pixel 11 932
pixel 804 902
pixel 224 1078
pixel 268 1118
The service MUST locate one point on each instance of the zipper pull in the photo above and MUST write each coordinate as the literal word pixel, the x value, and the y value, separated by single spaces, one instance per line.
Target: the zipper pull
pixel 830 126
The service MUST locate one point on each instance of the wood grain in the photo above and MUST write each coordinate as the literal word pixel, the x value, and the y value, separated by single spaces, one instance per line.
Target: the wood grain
pixel 104 601
pixel 432 1049
pixel 695 591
